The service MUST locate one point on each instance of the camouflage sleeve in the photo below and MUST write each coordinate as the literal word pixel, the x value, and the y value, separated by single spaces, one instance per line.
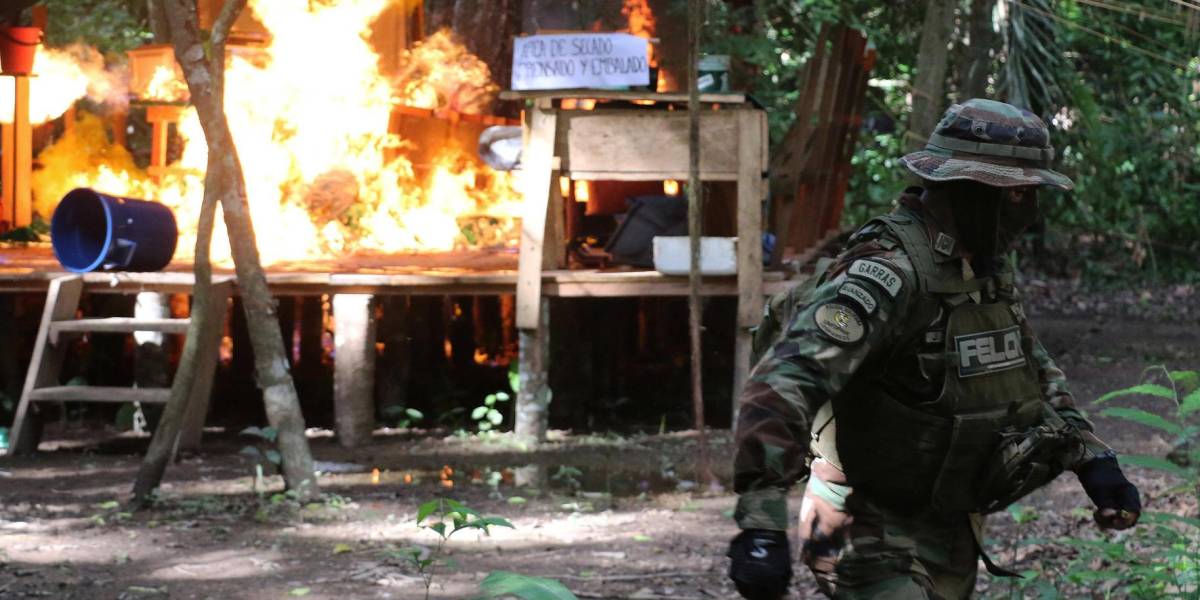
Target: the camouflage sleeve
pixel 1058 398
pixel 827 338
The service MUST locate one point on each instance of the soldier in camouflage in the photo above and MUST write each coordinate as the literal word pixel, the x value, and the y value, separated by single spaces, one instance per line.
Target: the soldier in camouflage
pixel 905 382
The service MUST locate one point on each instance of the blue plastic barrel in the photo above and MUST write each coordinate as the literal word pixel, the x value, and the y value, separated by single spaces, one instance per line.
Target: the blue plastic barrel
pixel 93 231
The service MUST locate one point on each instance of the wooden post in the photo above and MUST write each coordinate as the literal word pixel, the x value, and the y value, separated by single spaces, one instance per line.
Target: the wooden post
pixel 541 126
pixel 751 164
pixel 533 397
pixel 354 368
pixel 18 158
pixel 8 164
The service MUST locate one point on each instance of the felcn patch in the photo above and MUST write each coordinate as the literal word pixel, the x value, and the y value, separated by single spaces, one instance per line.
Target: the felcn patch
pixel 840 323
pixel 885 276
pixel 860 296
pixel 989 351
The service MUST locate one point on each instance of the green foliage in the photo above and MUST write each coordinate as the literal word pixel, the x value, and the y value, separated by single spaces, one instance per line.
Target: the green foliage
pixel 502 584
pixel 445 517
pixel 486 415
pixel 112 26
pixel 1161 557
pixel 403 416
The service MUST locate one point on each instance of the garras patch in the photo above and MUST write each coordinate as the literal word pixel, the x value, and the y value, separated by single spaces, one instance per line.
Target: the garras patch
pixel 989 351
pixel 840 323
pixel 879 273
pixel 859 295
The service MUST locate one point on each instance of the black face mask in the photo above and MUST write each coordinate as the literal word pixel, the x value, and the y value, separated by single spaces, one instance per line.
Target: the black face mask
pixel 988 219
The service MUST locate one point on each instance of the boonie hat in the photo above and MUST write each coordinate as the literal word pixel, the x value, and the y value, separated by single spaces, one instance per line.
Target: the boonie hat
pixel 990 142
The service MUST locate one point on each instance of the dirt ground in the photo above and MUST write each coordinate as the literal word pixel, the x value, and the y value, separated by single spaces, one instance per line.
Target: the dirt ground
pixel 637 529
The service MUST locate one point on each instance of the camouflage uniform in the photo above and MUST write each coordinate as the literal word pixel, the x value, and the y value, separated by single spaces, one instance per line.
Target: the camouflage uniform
pixel 863 320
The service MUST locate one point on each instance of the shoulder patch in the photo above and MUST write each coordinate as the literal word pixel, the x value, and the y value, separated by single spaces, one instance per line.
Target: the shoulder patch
pixel 860 296
pixel 884 276
pixel 840 323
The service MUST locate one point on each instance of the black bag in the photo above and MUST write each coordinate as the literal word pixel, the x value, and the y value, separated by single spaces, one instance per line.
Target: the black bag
pixel 648 216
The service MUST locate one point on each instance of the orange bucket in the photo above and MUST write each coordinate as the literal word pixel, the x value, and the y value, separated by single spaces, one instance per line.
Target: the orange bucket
pixel 17 47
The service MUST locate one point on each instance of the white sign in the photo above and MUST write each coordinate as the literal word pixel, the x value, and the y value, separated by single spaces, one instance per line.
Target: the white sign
pixel 580 60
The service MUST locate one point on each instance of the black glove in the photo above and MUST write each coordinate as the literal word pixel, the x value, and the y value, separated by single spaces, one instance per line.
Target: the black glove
pixel 762 564
pixel 1118 504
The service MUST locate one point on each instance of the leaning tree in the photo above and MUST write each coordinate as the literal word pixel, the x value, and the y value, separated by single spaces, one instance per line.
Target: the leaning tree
pixel 203 64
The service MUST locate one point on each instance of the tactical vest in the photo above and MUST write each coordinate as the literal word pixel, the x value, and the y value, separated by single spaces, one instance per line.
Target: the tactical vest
pixel 938 449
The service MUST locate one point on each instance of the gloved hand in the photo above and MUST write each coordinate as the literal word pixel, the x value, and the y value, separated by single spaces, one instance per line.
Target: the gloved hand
pixel 762 564
pixel 1118 504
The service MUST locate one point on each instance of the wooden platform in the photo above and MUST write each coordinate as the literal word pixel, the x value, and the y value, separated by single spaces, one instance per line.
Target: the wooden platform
pixel 30 269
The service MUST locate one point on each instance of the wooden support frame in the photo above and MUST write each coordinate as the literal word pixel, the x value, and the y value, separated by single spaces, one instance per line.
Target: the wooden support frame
pixel 633 145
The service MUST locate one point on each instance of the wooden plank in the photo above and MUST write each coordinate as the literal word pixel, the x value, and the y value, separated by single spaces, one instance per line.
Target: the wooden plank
pixel 90 393
pixel 118 325
pixel 208 353
pixel 354 368
pixel 541 133
pixel 62 300
pixel 648 141
pixel 749 219
pixel 623 95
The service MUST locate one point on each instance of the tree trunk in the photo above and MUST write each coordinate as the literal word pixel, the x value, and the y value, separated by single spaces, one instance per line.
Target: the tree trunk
pixel 976 58
pixel 224 182
pixel 929 89
pixel 158 22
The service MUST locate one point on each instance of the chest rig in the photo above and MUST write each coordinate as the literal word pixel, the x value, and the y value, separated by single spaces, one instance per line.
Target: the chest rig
pixel 921 425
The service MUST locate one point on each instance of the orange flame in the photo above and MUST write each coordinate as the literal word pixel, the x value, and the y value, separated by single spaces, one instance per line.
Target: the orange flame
pixel 671 187
pixel 310 121
pixel 63 75
pixel 641 23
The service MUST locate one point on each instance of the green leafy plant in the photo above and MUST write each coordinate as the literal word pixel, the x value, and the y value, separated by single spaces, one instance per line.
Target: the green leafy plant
pixel 1161 557
pixel 403 416
pixel 486 415
pixel 263 452
pixel 445 517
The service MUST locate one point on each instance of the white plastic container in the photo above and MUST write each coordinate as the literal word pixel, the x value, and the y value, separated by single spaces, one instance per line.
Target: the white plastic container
pixel 718 255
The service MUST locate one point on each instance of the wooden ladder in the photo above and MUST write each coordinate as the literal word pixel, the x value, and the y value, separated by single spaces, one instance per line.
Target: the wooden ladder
pixel 59 326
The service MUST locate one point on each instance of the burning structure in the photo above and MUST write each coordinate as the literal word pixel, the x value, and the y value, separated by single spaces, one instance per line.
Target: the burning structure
pixel 329 169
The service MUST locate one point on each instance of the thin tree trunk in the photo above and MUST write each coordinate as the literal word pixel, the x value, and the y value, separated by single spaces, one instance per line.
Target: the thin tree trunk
pixel 976 63
pixel 225 182
pixel 929 89
pixel 158 22
pixel 695 220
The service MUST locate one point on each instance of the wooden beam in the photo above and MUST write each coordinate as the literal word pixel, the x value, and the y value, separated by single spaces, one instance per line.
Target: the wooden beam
pixel 354 368
pixel 120 325
pixel 90 393
pixel 541 134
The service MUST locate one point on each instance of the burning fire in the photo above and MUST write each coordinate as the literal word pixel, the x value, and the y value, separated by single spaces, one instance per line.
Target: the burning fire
pixel 63 76
pixel 310 121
